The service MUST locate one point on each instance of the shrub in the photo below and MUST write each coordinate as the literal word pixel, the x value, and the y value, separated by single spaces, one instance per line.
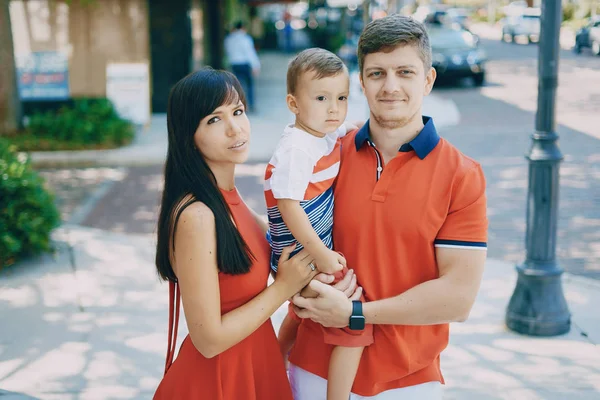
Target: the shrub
pixel 27 211
pixel 82 124
pixel 568 11
pixel 86 121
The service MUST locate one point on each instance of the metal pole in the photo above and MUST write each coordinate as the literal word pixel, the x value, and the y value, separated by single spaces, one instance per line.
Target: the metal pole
pixel 538 306
pixel 491 12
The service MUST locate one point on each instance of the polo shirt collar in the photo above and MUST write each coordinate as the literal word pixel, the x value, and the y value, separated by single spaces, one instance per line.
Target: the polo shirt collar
pixel 422 144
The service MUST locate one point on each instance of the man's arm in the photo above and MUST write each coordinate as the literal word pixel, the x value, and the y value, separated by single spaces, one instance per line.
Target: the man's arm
pixel 252 56
pixel 448 298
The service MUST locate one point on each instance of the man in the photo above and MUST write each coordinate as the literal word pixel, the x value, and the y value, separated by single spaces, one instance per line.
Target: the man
pixel 410 218
pixel 243 59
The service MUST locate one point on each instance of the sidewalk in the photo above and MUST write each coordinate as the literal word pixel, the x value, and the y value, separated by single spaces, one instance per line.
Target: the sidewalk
pixel 494 32
pixel 91 323
pixel 268 122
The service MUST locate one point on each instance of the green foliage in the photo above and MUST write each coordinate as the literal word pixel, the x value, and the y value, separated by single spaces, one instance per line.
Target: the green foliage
pixel 575 24
pixel 87 123
pixel 27 210
pixel 82 2
pixel 482 16
pixel 329 37
pixel 568 11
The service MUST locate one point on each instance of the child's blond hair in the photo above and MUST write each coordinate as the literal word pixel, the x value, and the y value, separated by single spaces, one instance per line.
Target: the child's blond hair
pixel 323 62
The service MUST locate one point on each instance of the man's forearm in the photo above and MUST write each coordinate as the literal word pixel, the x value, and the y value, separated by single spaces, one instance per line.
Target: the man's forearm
pixel 438 301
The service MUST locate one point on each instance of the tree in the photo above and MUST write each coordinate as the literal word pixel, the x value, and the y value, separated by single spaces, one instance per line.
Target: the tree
pixel 10 104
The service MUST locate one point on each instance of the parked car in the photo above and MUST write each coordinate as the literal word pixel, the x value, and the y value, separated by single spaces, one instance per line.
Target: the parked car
pixel 459 16
pixel 431 13
pixel 589 36
pixel 456 54
pixel 525 24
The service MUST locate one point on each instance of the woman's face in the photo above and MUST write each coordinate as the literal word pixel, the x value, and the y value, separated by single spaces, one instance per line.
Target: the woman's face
pixel 223 136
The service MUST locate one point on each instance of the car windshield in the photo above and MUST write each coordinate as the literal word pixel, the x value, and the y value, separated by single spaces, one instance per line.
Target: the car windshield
pixel 448 39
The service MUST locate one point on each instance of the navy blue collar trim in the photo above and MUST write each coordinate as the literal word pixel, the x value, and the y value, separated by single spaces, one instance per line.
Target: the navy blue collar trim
pixel 422 144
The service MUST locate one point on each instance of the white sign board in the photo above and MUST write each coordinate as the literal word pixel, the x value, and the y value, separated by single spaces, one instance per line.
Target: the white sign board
pixel 128 87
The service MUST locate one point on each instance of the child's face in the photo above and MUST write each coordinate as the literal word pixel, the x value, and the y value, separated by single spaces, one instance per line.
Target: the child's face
pixel 321 105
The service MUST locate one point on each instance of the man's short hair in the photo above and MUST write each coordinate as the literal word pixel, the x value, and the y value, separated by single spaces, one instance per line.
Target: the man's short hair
pixel 386 34
pixel 324 63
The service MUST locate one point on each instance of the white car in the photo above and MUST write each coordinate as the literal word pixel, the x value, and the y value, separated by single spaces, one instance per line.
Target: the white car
pixel 526 24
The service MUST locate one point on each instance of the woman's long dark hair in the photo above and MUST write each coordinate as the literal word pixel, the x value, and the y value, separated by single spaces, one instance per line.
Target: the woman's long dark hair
pixel 188 177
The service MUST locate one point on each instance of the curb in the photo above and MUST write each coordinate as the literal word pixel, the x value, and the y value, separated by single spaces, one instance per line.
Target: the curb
pixel 106 158
pixel 97 158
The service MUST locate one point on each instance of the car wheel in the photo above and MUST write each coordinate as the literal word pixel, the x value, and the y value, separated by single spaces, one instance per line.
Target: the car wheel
pixel 479 79
pixel 513 38
pixel 596 47
pixel 577 48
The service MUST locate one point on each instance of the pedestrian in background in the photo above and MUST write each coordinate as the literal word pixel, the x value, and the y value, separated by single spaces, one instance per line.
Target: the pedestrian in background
pixel 243 60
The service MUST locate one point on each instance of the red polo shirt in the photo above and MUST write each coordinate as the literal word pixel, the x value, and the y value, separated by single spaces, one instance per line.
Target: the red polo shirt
pixel 388 219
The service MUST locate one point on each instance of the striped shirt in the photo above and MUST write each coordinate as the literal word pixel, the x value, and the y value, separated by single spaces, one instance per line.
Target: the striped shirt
pixel 303 168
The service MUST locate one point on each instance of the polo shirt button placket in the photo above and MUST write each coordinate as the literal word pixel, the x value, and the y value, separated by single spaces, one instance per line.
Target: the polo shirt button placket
pixel 381 187
pixel 377 195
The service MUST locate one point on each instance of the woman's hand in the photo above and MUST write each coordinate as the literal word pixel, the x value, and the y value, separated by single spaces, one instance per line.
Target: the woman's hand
pixel 296 272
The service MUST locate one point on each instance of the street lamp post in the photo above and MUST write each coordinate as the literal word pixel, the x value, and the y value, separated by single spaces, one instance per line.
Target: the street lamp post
pixel 538 306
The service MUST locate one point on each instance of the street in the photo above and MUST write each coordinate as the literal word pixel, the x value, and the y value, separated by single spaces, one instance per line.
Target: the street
pixel 492 124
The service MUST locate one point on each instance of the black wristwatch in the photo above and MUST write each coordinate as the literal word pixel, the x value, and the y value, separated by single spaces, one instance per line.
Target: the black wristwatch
pixel 357 319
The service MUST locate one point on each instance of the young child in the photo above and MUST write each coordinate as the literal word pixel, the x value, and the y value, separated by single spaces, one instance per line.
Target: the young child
pixel 299 194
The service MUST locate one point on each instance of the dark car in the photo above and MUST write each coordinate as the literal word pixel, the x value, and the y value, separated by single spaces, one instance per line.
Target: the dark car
pixel 456 55
pixel 589 36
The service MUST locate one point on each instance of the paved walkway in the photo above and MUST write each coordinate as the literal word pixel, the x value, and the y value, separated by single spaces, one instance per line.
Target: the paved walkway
pixel 91 323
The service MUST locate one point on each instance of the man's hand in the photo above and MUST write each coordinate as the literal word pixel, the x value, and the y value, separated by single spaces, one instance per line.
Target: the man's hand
pixel 331 308
pixel 347 284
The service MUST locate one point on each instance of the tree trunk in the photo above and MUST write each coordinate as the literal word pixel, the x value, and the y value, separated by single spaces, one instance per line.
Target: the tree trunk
pixel 529 3
pixel 10 104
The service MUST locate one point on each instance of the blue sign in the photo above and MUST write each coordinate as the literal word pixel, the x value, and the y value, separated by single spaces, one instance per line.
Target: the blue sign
pixel 43 75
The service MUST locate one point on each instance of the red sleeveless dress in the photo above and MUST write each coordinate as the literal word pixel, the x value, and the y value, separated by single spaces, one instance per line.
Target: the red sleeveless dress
pixel 252 369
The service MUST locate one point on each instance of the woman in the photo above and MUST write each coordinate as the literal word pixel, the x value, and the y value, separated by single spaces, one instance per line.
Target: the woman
pixel 212 249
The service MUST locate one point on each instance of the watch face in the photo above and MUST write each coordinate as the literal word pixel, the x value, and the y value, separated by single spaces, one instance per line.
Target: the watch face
pixel 357 323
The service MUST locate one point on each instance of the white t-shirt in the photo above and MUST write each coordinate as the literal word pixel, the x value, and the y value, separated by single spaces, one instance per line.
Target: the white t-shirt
pixel 295 158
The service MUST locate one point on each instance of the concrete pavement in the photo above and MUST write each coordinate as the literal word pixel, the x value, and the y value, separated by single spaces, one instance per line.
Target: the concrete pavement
pixel 91 323
pixel 494 32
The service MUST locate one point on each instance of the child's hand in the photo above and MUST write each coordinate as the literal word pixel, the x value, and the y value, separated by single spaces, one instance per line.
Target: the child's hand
pixel 350 126
pixel 330 262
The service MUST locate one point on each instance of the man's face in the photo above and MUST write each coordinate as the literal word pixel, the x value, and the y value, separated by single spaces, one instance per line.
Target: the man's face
pixel 395 84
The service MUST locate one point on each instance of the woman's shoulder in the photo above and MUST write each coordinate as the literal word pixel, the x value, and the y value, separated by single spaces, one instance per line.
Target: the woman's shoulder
pixel 195 215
